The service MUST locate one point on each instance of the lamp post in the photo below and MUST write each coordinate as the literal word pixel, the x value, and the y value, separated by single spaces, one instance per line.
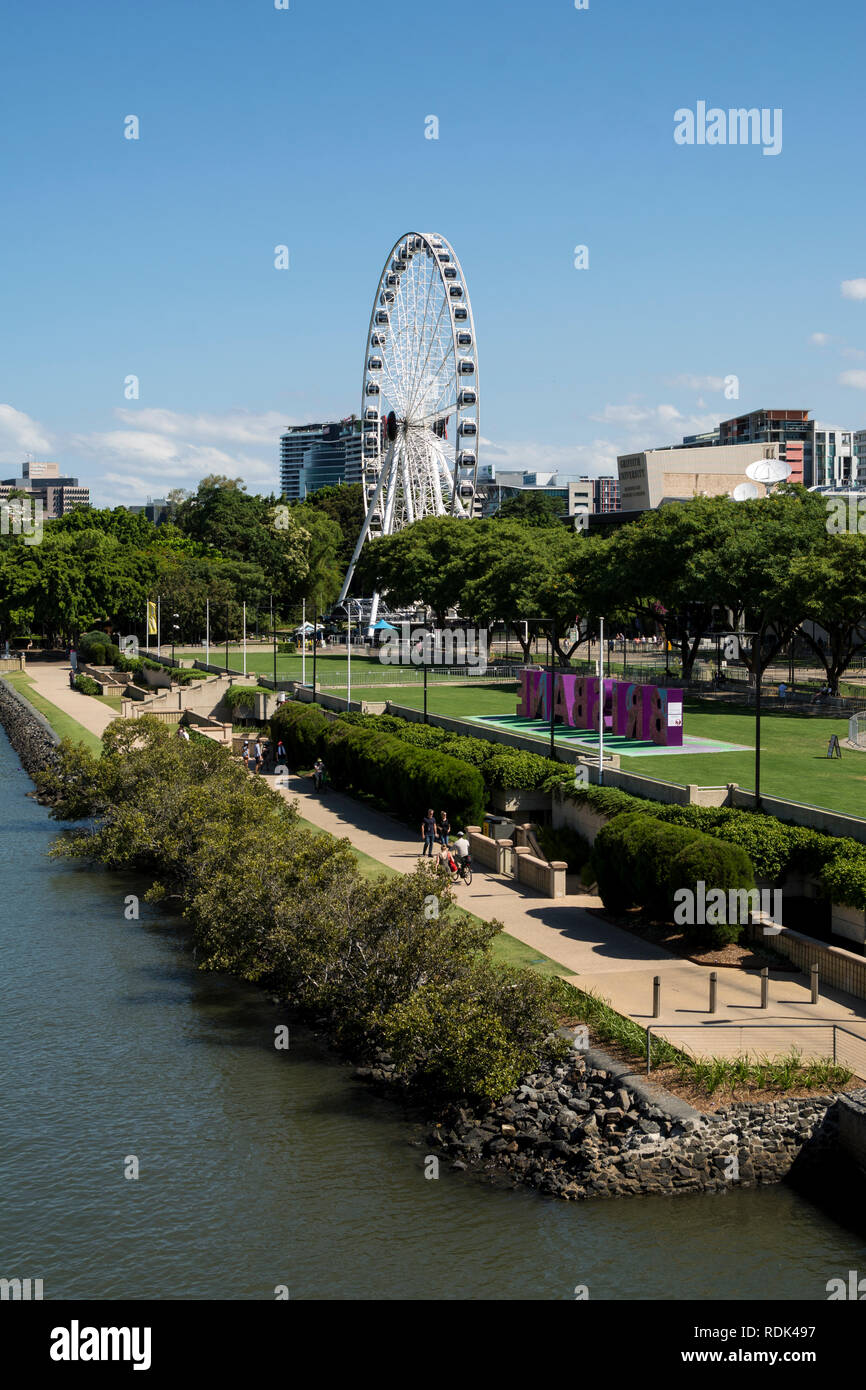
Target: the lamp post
pixel 601 708
pixel 315 648
pixel 174 629
pixel 227 637
pixel 552 716
pixel 347 609
pixel 758 638
pixel 274 635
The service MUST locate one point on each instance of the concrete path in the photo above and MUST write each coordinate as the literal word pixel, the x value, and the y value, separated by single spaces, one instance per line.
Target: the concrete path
pixel 614 963
pixel 51 680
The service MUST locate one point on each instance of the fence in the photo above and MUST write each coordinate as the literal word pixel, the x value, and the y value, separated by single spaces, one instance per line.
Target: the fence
pixel 827 1041
pixel 857 729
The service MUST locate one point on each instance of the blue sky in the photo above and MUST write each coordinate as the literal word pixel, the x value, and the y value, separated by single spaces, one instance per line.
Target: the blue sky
pixel 305 127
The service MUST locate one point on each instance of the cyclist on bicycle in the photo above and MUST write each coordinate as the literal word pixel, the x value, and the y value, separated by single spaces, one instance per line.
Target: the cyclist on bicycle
pixel 461 849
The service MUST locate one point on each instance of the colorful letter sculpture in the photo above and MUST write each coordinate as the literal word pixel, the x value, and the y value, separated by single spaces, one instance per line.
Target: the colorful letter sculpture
pixel 645 712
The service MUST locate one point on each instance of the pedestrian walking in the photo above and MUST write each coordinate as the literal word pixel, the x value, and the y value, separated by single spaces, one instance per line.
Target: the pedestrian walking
pixel 73 657
pixel 257 755
pixel 428 833
pixel 443 828
pixel 281 751
pixel 245 754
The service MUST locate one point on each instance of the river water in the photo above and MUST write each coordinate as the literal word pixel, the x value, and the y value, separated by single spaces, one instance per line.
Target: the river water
pixel 259 1168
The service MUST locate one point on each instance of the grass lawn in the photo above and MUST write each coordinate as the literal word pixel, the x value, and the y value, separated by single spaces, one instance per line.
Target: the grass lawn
pixel 794 764
pixel 63 724
pixel 505 948
pixel 458 701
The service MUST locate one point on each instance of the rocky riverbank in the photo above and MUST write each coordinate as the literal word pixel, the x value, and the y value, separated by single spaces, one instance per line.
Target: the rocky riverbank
pixel 589 1128
pixel 30 734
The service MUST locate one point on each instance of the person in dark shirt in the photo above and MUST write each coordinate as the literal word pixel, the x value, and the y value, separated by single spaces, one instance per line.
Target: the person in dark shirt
pixel 428 833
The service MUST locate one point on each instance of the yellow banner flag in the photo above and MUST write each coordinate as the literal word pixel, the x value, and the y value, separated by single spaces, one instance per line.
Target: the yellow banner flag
pixel 151 618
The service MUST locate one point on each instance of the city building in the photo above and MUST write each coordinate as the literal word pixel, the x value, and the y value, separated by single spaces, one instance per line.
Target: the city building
pixel 319 455
pixel 791 430
pixel 860 457
pixel 43 481
pixel 156 509
pixel 833 458
pixel 654 476
pixel 594 495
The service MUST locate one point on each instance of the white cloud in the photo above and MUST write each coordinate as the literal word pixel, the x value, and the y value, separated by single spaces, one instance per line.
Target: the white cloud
pixel 566 459
pixel 698 383
pixel 235 427
pixel 820 339
pixel 856 379
pixel 159 449
pixel 19 435
pixel 854 289
pixel 649 426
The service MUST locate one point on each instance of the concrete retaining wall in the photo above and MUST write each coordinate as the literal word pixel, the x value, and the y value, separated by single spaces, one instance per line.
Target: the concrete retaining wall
pixel 495 855
pixel 545 878
pixel 837 968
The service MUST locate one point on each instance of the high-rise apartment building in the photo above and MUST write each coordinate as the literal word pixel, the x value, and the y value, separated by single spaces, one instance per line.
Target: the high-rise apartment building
pixel 860 457
pixel 319 455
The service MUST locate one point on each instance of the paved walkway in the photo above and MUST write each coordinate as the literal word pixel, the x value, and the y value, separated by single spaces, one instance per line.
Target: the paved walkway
pixel 614 963
pixel 51 680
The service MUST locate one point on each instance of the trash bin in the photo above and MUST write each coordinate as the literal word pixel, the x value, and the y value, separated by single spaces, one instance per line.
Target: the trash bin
pixel 498 827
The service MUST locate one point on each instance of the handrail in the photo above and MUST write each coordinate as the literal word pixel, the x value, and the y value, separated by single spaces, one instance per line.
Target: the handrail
pixel 789 1024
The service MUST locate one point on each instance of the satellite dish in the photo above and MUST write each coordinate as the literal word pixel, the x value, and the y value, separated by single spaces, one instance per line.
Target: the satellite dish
pixel 744 492
pixel 768 471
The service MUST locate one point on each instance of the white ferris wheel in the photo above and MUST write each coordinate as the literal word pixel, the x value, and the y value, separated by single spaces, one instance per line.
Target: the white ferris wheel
pixel 419 407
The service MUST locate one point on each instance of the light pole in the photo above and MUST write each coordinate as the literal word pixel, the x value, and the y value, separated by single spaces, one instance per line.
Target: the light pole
pixel 174 629
pixel 601 703
pixel 347 608
pixel 274 636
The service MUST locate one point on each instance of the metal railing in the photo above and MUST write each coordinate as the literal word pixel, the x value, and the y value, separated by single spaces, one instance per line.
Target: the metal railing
pixel 843 1046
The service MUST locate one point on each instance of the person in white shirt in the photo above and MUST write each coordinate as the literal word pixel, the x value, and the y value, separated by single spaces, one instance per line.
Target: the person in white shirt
pixel 461 848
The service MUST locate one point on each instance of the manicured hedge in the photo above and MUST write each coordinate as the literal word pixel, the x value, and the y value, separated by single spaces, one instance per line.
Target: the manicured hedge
pixel 360 759
pixel 500 765
pixel 774 847
pixel 97 649
pixel 86 685
pixel 641 861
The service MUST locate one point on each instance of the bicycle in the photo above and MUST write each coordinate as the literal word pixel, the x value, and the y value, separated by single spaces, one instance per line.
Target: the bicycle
pixel 462 870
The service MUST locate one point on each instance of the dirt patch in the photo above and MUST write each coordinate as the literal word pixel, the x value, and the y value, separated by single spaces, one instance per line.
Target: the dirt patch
pixel 734 956
pixel 667 1078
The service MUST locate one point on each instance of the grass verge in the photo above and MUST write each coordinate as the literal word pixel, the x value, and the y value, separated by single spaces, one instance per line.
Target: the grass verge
pixel 63 724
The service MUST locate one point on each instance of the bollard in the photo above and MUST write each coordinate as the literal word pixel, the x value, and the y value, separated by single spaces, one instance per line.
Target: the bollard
pixel 814 984
pixel 713 982
pixel 765 987
pixel 657 995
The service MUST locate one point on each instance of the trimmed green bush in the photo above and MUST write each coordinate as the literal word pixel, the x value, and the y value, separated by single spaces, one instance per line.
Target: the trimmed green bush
pixel 86 685
pixel 716 865
pixel 365 760
pixel 641 861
